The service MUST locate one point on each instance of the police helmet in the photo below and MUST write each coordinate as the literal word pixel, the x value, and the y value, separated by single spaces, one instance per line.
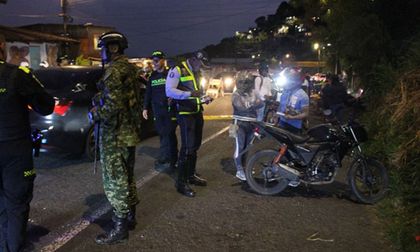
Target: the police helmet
pixel 244 85
pixel 201 55
pixel 293 77
pixel 263 67
pixel 113 38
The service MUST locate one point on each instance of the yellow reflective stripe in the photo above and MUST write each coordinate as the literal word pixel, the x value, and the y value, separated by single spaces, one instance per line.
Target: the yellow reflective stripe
pixel 187 78
pixel 179 70
pixel 29 173
pixel 173 118
pixel 188 113
pixel 191 73
pixel 195 83
pixel 25 69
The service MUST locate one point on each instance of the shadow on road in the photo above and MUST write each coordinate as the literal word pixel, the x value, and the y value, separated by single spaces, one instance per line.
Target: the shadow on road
pixel 34 233
pixel 54 160
pixel 336 189
pixel 148 151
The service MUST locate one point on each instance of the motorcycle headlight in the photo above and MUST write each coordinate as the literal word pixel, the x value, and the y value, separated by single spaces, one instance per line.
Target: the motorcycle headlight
pixel 228 82
pixel 281 81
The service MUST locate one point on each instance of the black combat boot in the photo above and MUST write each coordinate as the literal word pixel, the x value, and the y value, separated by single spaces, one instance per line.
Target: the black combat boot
pixel 181 183
pixel 117 235
pixel 131 218
pixel 193 177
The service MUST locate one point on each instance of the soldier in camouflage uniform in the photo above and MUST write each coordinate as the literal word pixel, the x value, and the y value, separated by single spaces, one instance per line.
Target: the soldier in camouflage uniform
pixel 117 110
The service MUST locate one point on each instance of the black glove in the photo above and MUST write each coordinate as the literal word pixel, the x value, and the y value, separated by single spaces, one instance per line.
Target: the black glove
pixel 97 100
pixel 93 115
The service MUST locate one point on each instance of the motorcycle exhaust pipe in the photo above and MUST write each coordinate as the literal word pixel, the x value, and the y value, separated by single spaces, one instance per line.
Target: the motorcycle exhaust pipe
pixel 290 170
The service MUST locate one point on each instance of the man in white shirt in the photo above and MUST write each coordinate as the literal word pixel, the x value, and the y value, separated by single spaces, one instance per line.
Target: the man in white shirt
pixel 262 88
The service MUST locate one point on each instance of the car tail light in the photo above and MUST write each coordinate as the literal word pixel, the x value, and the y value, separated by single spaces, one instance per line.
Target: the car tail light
pixel 62 107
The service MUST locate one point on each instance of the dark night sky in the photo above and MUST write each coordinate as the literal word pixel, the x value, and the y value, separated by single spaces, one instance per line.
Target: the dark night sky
pixel 174 26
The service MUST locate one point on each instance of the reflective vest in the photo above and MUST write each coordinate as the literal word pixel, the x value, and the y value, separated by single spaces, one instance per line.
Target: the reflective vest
pixel 14 120
pixel 188 82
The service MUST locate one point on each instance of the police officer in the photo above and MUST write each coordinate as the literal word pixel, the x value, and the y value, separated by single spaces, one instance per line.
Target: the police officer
pixel 116 112
pixel 19 89
pixel 164 115
pixel 182 85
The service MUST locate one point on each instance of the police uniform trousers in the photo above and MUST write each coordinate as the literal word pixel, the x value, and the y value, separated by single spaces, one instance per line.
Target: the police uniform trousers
pixel 118 174
pixel 191 127
pixel 16 187
pixel 165 124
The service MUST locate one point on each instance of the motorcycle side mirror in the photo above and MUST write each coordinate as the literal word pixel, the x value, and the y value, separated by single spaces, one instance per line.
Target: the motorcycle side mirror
pixel 79 87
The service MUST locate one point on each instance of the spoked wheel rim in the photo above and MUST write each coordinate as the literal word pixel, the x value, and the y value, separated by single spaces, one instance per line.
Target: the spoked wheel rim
pixel 369 180
pixel 261 175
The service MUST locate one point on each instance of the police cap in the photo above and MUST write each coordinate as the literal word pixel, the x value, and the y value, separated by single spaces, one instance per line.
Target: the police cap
pixel 158 54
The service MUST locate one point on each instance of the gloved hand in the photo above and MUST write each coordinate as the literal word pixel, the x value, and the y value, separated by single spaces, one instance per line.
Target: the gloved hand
pixel 97 100
pixel 195 93
pixel 93 115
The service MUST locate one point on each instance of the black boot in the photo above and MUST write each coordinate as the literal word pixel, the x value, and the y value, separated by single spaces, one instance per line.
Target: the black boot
pixel 117 235
pixel 196 180
pixel 181 183
pixel 184 189
pixel 131 218
pixel 193 177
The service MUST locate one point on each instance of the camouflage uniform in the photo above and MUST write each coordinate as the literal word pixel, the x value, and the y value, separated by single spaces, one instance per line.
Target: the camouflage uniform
pixel 119 134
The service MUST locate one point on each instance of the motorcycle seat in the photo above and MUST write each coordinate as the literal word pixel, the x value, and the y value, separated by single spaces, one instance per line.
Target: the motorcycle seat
pixel 297 139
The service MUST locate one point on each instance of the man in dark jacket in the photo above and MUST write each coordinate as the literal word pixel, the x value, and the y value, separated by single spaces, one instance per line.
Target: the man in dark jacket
pixel 334 95
pixel 164 115
pixel 19 91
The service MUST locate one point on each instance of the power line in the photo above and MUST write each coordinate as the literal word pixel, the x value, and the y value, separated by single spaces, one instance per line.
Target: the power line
pixel 195 24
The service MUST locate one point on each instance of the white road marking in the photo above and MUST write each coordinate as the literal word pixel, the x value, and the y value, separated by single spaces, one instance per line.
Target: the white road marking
pixel 77 227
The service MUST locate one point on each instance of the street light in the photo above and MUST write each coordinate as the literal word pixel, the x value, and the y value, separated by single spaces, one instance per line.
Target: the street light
pixel 317 47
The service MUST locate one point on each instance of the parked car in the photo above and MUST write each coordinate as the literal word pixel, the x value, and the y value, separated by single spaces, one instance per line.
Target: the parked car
pixel 215 89
pixel 68 127
pixel 222 83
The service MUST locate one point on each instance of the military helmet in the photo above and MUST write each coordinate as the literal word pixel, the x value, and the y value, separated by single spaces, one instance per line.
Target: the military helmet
pixel 113 38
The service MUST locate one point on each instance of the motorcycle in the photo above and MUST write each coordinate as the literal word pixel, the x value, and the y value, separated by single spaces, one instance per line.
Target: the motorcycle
pixel 315 159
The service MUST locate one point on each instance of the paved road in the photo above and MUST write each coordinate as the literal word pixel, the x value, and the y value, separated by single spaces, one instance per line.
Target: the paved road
pixel 69 208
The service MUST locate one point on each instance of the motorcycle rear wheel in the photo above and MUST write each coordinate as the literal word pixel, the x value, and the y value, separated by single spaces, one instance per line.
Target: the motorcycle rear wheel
pixel 258 171
pixel 368 180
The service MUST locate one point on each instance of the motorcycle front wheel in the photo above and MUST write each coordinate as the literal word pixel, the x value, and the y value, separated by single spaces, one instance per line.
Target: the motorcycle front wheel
pixel 368 180
pixel 261 175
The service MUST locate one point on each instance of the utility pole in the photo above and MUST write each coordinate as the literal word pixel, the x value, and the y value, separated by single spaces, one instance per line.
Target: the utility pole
pixel 64 4
pixel 66 19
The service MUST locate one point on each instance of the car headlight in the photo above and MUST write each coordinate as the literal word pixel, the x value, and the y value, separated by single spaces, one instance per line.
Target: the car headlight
pixel 228 82
pixel 203 81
